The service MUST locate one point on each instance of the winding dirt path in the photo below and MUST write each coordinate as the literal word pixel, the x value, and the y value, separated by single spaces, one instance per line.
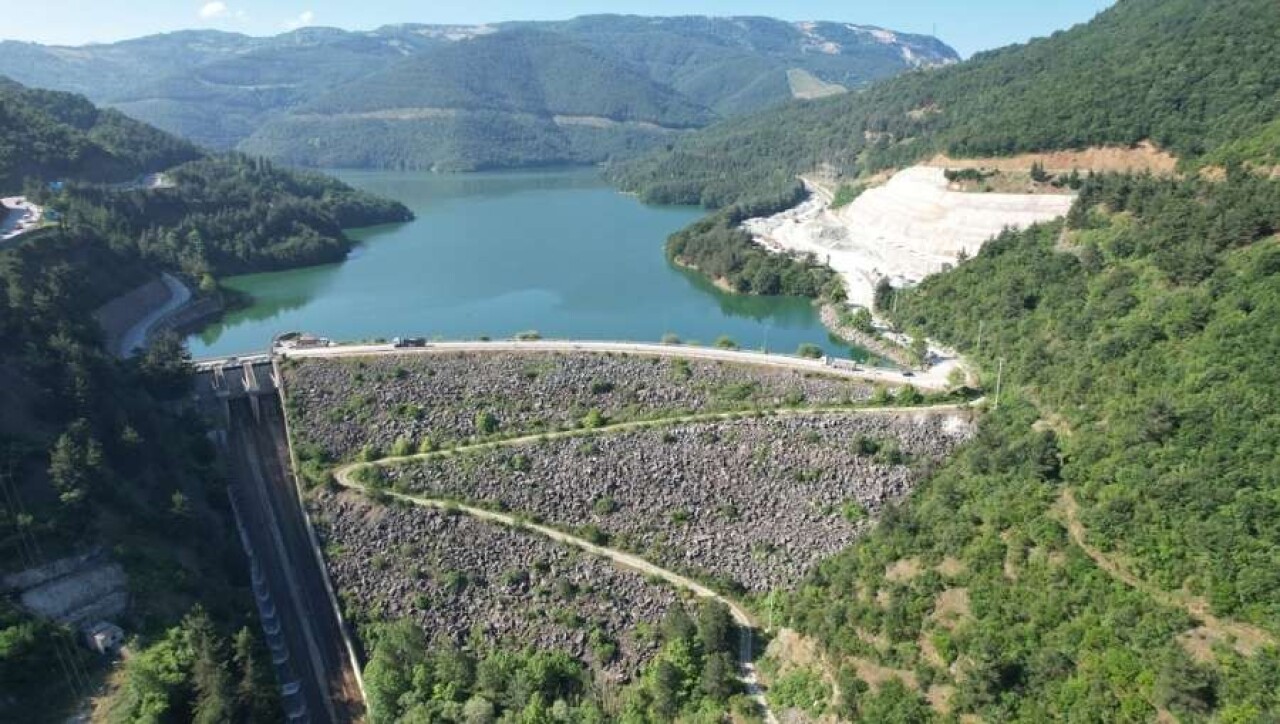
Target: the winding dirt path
pixel 620 427
pixel 746 624
pixel 344 475
pixel 1244 638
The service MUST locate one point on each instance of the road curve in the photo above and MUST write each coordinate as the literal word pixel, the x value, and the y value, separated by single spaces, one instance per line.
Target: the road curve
pixel 932 380
pixel 136 337
pixel 740 616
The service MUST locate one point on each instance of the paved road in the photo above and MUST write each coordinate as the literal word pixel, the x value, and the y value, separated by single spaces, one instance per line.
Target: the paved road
pixel 933 380
pixel 136 337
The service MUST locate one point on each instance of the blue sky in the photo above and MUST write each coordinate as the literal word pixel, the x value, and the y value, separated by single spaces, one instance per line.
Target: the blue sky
pixel 968 25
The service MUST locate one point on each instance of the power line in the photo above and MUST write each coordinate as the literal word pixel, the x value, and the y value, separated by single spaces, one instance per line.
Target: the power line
pixel 77 679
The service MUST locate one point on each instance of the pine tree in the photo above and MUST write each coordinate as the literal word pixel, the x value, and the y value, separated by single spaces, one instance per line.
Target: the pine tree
pixel 256 699
pixel 214 703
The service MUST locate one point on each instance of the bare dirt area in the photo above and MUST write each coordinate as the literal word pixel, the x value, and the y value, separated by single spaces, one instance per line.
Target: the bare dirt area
pixel 807 86
pixel 343 405
pixel 465 580
pixel 951 608
pixel 912 226
pixel 1144 157
pixel 754 502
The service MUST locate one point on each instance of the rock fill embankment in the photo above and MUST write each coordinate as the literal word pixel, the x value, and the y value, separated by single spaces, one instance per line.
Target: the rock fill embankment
pixel 757 501
pixel 344 405
pixel 460 578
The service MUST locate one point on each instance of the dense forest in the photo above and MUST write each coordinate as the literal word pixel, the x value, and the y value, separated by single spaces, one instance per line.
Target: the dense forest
pixel 718 247
pixel 1139 385
pixel 50 135
pixel 90 454
pixel 228 215
pixel 1106 550
pixel 99 452
pixel 1186 75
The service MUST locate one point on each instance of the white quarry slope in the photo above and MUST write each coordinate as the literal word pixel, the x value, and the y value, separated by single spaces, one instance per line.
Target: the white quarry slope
pixel 907 229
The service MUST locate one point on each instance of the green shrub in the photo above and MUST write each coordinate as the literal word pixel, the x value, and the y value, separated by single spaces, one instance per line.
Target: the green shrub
pixel 809 351
pixel 486 423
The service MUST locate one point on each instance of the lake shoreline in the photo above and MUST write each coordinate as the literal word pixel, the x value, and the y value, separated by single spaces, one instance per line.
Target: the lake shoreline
pixel 492 254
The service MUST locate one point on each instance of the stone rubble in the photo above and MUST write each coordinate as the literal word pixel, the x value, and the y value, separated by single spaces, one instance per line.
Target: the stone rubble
pixel 344 405
pixel 459 577
pixel 755 501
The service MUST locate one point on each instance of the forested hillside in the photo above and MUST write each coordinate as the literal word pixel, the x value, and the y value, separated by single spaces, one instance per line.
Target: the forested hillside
pixel 516 98
pixel 229 215
pixel 51 135
pixel 739 65
pixel 95 452
pixel 1139 388
pixel 219 89
pixel 1190 76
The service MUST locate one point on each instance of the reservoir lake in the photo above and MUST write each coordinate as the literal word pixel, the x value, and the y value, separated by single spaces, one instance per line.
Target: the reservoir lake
pixel 495 254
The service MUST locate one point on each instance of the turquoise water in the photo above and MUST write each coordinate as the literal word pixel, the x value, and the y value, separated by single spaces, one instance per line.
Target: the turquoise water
pixel 495 254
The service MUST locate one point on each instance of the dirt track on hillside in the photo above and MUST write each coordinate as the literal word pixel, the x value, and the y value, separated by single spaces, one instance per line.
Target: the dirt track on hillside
pixel 1143 157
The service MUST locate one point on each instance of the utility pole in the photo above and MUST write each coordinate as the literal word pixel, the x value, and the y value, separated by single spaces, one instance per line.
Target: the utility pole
pixel 999 379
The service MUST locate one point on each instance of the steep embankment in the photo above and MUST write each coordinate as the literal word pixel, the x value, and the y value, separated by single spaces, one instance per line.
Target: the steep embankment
pixel 1141 330
pixel 93 450
pixel 1180 75
pixel 912 226
pixel 1135 341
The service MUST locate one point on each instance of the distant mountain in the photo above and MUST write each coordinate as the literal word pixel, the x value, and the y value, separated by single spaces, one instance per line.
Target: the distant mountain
pixel 508 99
pixel 739 65
pixel 307 96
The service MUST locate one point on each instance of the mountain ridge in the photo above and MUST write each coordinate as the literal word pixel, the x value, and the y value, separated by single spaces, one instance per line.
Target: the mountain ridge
pixel 225 90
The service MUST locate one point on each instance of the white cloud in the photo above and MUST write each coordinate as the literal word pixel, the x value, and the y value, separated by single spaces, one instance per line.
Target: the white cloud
pixel 302 21
pixel 211 10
